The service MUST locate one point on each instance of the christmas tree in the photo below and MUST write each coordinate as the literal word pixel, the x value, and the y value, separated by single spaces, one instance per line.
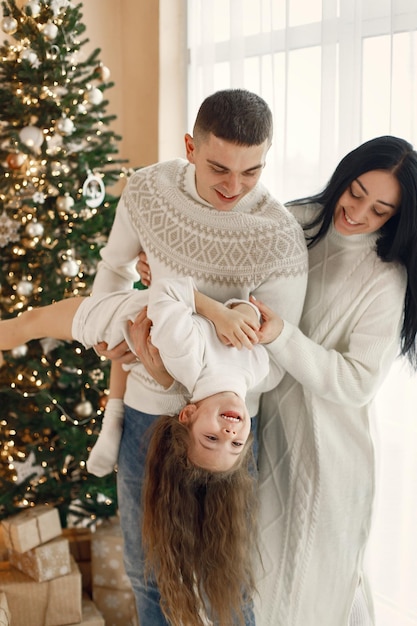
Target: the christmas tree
pixel 57 161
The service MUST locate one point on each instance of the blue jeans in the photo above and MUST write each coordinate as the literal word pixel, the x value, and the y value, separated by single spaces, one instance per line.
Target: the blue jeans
pixel 130 474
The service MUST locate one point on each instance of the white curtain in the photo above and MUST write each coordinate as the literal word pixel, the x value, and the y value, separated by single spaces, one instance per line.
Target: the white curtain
pixel 335 73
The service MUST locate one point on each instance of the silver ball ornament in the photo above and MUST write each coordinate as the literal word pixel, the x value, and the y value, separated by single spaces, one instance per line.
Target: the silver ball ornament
pixel 70 268
pixel 19 351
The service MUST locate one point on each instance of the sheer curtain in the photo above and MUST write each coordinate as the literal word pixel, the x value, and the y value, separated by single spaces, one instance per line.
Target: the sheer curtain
pixel 335 73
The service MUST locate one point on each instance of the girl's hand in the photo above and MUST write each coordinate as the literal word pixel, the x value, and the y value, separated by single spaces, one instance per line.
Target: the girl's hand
pixel 143 269
pixel 237 326
pixel 272 324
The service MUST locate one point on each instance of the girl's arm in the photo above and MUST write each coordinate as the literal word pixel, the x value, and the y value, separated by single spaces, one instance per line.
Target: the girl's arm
pixel 236 324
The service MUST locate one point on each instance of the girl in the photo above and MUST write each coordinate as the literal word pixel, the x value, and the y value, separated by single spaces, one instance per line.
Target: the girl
pixel 197 479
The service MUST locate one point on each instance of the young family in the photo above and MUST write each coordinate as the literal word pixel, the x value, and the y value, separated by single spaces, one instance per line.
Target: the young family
pixel 328 285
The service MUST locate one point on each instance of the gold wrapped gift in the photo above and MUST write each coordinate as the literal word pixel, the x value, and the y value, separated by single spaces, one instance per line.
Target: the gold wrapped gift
pixel 31 527
pixel 91 616
pixel 54 602
pixel 47 561
pixel 4 610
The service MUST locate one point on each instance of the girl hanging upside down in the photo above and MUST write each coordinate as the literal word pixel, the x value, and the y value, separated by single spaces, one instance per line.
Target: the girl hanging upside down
pixel 199 491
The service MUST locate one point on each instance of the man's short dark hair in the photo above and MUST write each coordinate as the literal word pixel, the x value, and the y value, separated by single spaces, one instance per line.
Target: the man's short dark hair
pixel 235 115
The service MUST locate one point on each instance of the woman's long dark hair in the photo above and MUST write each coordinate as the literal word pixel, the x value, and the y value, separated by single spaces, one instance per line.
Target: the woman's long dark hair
pixel 398 236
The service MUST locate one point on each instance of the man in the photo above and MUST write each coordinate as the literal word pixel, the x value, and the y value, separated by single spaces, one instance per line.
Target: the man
pixel 209 218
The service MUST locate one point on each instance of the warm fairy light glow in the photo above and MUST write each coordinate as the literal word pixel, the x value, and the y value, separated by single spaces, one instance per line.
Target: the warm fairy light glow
pixel 53 142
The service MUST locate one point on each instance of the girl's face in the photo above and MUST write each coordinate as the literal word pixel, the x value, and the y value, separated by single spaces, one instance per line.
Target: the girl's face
pixel 220 427
pixel 369 201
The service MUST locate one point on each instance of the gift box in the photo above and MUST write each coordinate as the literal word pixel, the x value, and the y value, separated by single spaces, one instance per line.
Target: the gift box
pixel 4 550
pixel 112 590
pixel 117 606
pixel 31 527
pixel 54 602
pixel 4 610
pixel 107 566
pixel 50 560
pixel 91 616
pixel 80 548
pixel 79 543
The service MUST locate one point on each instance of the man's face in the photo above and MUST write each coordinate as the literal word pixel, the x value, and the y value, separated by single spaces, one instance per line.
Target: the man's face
pixel 225 171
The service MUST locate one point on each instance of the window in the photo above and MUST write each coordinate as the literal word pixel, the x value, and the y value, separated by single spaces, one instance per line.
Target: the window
pixel 334 73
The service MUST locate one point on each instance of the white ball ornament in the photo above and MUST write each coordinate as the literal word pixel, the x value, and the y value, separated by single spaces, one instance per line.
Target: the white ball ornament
pixel 65 126
pixel 94 96
pixel 31 136
pixel 103 72
pixel 24 288
pixel 65 203
pixel 19 351
pixel 50 31
pixel 9 25
pixel 34 229
pixel 30 55
pixel 35 8
pixel 70 268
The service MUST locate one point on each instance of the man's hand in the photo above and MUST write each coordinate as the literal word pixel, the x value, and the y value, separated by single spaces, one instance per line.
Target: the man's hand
pixel 143 270
pixel 139 331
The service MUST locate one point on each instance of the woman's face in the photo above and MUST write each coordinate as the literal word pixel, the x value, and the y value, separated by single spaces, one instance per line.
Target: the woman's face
pixel 369 201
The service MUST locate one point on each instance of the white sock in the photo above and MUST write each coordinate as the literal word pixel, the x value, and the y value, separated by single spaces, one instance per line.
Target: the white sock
pixel 103 456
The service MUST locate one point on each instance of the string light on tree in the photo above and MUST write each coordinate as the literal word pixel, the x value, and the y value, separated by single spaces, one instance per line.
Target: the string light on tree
pixel 57 163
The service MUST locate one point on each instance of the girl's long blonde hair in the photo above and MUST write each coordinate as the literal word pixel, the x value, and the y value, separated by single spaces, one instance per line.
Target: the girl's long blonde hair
pixel 199 530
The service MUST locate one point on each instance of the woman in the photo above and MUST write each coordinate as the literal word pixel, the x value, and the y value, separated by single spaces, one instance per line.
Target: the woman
pixel 317 475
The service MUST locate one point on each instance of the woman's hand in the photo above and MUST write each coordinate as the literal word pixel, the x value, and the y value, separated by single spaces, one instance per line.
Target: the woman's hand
pixel 272 324
pixel 143 270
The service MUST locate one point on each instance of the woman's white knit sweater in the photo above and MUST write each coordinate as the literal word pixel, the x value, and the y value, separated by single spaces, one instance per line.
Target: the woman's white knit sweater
pixel 316 452
pixel 258 247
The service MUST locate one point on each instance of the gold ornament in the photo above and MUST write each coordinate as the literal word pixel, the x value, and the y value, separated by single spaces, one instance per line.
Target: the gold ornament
pixel 84 409
pixel 15 160
pixel 9 25
pixel 65 203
